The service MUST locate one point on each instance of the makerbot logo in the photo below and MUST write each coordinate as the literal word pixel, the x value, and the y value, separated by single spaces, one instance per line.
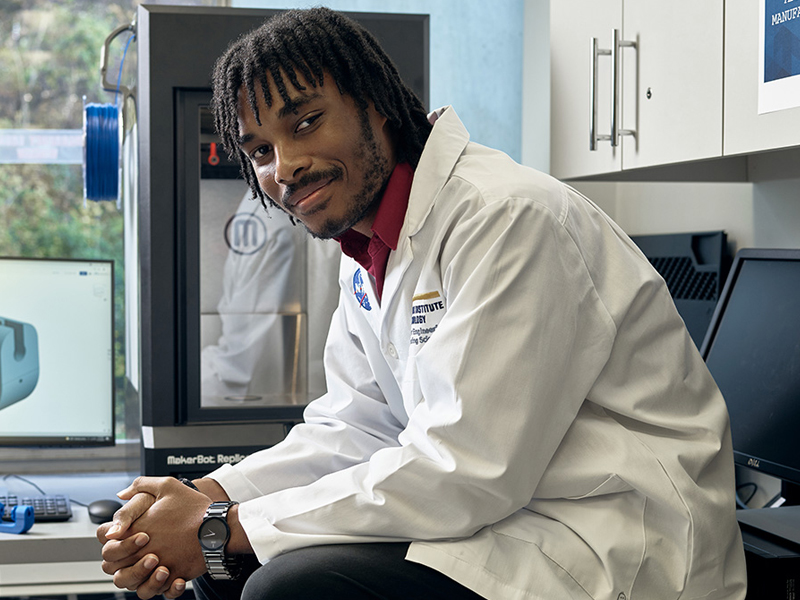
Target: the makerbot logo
pixel 205 459
pixel 245 233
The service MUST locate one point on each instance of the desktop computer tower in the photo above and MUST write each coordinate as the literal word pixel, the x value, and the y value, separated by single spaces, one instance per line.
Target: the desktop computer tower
pixel 694 266
pixel 773 567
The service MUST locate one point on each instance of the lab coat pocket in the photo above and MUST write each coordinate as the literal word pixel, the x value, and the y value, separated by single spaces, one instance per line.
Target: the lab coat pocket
pixel 612 485
pixel 586 535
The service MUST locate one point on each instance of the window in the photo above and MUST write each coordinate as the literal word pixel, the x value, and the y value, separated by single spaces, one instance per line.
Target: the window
pixel 49 68
pixel 48 65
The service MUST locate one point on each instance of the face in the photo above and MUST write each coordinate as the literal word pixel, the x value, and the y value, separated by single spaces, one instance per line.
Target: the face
pixel 320 158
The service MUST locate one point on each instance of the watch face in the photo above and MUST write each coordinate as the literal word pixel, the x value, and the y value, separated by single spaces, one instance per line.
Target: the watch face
pixel 213 533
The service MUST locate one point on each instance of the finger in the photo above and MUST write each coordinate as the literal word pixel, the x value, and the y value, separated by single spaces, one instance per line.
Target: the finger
pixel 132 510
pixel 129 492
pixel 157 584
pixel 123 553
pixel 130 578
pixel 101 532
pixel 176 589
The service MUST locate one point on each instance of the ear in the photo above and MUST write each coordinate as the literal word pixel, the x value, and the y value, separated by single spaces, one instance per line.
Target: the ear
pixel 384 132
pixel 378 121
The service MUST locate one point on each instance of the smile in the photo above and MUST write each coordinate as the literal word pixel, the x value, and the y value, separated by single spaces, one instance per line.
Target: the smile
pixel 307 198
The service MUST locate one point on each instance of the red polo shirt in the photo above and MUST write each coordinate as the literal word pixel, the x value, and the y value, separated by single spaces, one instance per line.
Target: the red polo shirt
pixel 373 253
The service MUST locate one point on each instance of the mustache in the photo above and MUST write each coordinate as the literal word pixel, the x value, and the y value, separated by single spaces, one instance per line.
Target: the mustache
pixel 333 173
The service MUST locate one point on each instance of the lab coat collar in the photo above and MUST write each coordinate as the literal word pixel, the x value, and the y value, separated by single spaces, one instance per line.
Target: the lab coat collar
pixel 445 145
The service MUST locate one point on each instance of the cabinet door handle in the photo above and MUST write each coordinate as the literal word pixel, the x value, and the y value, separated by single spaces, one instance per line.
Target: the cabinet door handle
pixel 616 75
pixel 616 91
pixel 594 137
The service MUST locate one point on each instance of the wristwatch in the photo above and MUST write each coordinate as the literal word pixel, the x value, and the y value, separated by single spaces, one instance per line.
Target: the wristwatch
pixel 214 534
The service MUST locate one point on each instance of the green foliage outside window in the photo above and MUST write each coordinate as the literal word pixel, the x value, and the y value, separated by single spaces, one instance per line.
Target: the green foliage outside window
pixel 50 58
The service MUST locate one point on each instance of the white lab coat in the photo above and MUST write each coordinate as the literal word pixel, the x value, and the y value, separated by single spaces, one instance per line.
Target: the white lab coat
pixel 547 431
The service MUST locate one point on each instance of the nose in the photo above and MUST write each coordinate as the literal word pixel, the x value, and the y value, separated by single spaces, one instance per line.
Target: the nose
pixel 290 164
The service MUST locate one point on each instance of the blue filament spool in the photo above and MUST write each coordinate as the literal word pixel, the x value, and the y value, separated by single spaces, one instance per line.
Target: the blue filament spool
pixel 101 166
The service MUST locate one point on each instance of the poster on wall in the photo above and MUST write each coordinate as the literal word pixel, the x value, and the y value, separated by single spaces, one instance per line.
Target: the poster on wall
pixel 779 55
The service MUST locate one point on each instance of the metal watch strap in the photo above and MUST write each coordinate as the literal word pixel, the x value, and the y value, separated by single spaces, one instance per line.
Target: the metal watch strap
pixel 188 483
pixel 221 566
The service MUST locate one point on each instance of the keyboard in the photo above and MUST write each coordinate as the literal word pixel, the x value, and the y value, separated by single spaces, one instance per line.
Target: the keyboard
pixel 50 507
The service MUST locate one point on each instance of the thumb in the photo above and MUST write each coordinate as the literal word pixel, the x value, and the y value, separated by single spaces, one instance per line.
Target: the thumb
pixel 151 485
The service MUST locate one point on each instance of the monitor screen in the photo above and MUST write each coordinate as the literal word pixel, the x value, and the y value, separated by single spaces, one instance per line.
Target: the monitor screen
pixel 56 352
pixel 752 349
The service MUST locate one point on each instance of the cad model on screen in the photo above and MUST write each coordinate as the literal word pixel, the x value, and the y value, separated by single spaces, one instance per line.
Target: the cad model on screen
pixel 19 361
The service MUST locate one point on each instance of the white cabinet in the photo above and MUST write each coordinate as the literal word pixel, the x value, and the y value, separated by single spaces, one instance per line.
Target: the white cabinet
pixel 745 130
pixel 670 91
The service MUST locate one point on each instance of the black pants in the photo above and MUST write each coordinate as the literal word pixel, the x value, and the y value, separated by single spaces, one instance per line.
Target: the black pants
pixel 347 572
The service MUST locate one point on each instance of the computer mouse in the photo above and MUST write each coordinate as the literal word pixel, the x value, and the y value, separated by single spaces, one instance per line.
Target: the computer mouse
pixel 102 511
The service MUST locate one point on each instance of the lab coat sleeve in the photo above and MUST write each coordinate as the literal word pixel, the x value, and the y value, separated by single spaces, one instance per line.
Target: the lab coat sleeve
pixel 342 428
pixel 491 394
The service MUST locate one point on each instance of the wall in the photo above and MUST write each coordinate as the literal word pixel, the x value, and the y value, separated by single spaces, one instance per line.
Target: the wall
pixel 643 208
pixel 765 214
pixel 776 213
pixel 536 86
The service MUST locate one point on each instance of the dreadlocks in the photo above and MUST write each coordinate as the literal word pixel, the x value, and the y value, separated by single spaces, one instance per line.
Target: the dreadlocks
pixel 314 42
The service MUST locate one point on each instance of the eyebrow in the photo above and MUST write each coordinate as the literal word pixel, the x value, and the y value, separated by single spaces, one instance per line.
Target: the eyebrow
pixel 289 108
pixel 294 103
pixel 243 139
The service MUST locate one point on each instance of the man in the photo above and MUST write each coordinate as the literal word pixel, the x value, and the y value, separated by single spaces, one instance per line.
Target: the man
pixel 514 407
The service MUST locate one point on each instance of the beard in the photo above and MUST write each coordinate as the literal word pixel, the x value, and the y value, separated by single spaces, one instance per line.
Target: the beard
pixel 376 169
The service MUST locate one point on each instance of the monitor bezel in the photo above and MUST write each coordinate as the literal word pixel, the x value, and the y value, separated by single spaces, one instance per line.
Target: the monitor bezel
pixel 67 441
pixel 757 463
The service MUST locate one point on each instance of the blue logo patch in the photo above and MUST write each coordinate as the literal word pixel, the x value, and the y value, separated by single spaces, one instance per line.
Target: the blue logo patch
pixel 358 290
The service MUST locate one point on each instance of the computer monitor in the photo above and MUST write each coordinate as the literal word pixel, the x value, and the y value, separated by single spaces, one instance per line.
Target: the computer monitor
pixel 752 349
pixel 56 352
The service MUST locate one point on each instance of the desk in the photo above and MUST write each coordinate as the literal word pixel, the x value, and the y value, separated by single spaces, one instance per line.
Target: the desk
pixel 53 558
pixel 59 558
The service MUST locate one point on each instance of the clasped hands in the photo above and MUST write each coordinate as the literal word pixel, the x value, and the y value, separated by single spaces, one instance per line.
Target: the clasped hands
pixel 151 545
